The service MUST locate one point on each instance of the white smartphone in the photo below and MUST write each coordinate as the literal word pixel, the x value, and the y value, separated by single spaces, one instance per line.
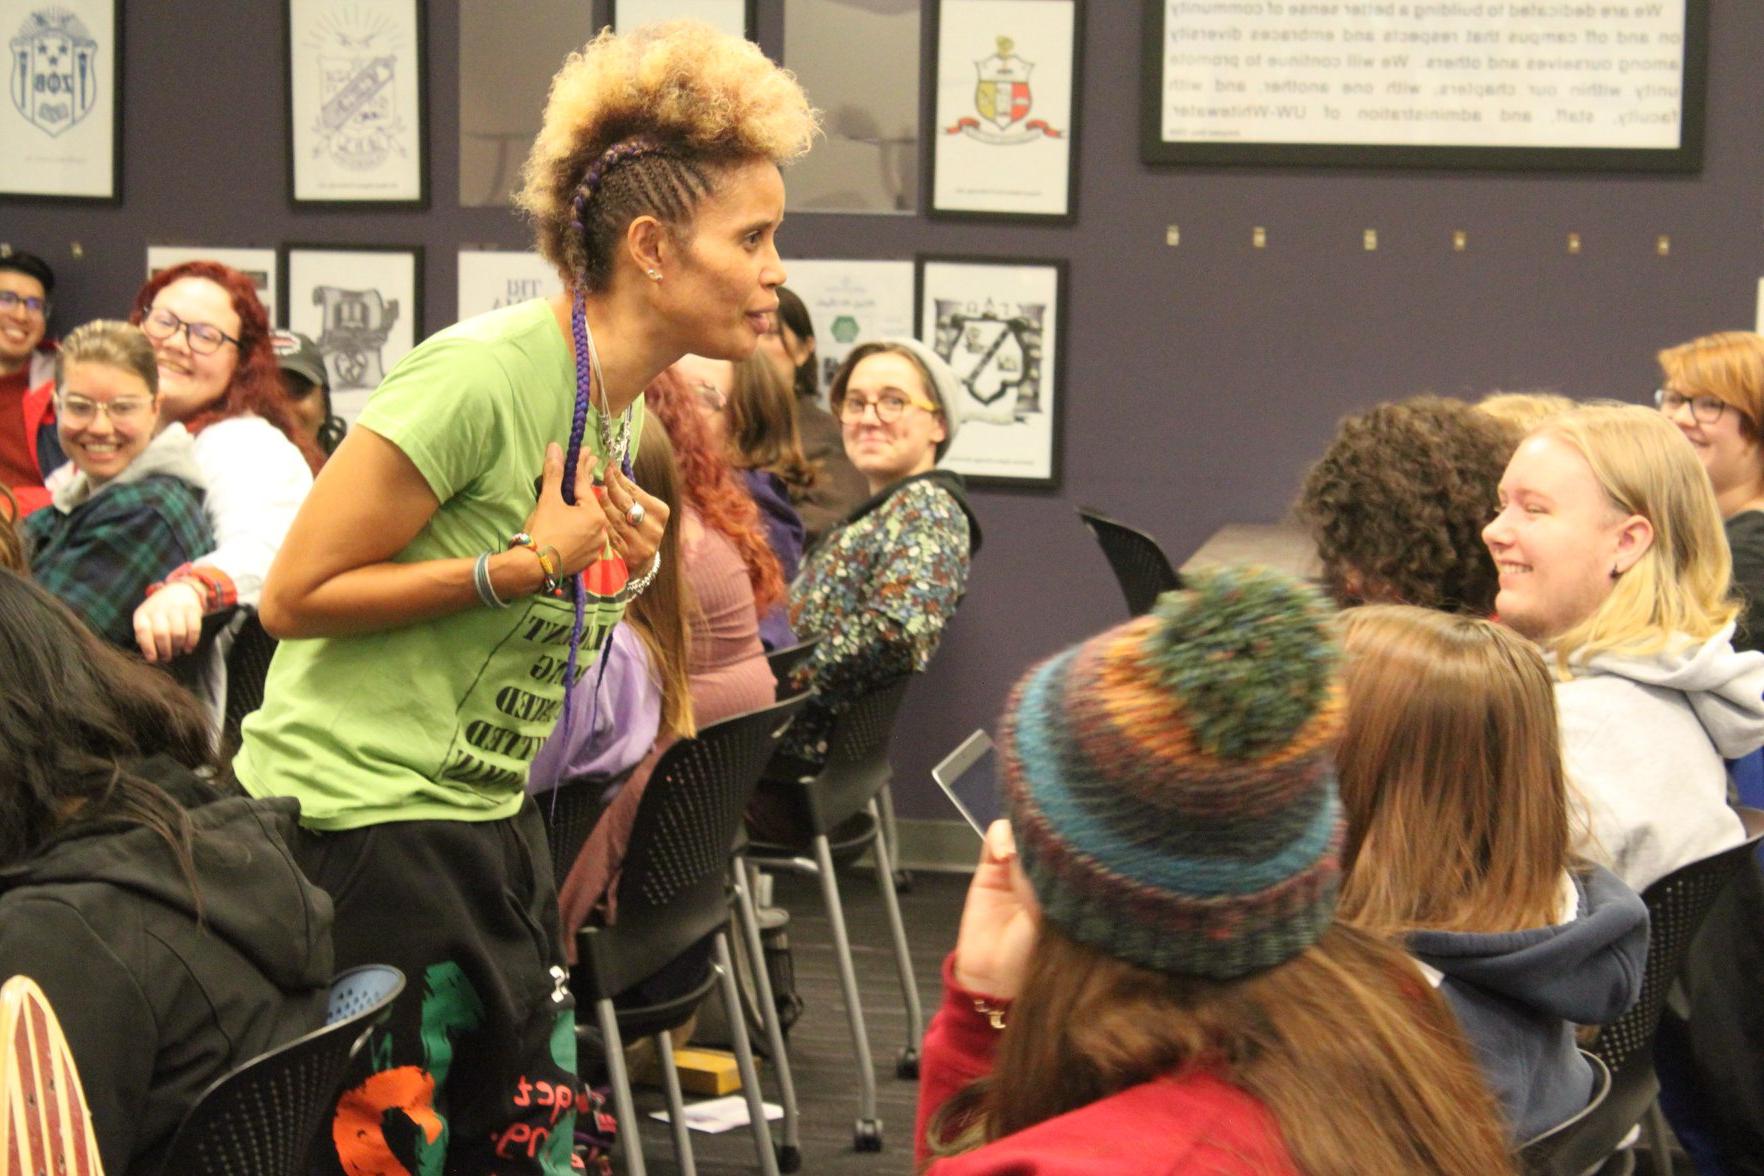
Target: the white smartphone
pixel 967 777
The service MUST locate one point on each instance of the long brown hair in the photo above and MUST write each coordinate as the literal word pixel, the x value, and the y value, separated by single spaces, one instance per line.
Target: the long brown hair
pixel 660 612
pixel 1358 1060
pixel 1450 768
pixel 763 433
pixel 12 554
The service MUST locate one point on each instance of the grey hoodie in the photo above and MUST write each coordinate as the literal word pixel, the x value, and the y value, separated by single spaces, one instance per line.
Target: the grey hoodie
pixel 172 452
pixel 1519 994
pixel 1645 738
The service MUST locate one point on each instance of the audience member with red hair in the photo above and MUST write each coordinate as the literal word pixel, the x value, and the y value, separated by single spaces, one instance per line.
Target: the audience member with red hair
pixel 218 377
pixel 727 567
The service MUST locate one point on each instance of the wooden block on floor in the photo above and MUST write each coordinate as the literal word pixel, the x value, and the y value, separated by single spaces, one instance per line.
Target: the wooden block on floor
pixel 710 1072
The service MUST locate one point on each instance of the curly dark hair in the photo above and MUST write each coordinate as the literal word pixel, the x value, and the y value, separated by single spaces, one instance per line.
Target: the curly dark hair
pixel 1397 505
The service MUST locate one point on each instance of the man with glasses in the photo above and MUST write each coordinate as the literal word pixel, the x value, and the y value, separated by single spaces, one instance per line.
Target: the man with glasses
pixel 28 447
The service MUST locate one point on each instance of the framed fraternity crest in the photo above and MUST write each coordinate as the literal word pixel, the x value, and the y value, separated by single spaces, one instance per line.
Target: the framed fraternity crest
pixel 362 305
pixel 61 124
pixel 1005 135
pixel 1001 326
pixel 357 118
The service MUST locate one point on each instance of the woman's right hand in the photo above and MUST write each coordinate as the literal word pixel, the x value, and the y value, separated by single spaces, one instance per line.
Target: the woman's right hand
pixel 1000 921
pixel 579 531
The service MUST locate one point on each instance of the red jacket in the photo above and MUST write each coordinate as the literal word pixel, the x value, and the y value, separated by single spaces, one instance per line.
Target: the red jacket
pixel 1195 1123
pixel 39 425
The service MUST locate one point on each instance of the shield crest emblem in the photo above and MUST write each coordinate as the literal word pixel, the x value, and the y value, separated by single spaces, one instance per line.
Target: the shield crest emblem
pixel 54 71
pixel 1001 95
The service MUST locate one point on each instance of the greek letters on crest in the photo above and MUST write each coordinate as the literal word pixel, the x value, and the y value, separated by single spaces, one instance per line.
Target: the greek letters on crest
pixel 54 70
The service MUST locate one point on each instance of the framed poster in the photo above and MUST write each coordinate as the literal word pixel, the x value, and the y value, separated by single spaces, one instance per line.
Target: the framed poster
pixel 1001 326
pixel 61 127
pixel 260 265
pixel 1005 135
pixel 357 123
pixel 489 279
pixel 734 17
pixel 362 305
pixel 852 302
pixel 1426 83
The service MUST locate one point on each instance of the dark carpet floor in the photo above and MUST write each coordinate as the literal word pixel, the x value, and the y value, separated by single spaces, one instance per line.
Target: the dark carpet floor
pixel 820 1045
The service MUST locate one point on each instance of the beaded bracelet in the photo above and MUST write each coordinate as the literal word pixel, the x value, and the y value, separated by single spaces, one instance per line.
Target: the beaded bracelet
pixel 635 588
pixel 549 568
pixel 481 581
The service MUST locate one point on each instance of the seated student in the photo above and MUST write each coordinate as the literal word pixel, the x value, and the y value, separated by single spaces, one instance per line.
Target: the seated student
pixel 1397 503
pixel 29 451
pixel 1525 411
pixel 750 414
pixel 1458 841
pixel 132 510
pixel 1148 977
pixel 790 348
pixel 1712 388
pixel 879 589
pixel 218 376
pixel 164 918
pixel 726 671
pixel 308 387
pixel 1611 557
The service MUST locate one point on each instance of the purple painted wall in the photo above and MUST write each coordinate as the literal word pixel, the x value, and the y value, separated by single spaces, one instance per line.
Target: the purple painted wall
pixel 1200 379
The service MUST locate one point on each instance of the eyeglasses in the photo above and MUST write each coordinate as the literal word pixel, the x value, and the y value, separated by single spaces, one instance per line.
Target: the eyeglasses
pixel 889 407
pixel 205 338
pixel 709 395
pixel 1705 410
pixel 34 307
pixel 127 410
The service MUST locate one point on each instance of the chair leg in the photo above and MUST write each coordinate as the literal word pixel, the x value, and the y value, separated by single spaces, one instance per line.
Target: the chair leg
pixel 867 1133
pixel 750 1085
pixel 907 1064
pixel 790 1153
pixel 630 1139
pixel 1659 1141
pixel 664 1057
pixel 886 827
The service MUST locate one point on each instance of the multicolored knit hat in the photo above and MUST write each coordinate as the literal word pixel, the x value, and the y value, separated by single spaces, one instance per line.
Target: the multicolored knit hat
pixel 1170 780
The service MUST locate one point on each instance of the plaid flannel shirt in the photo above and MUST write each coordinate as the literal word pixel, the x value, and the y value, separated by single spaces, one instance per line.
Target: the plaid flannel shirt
pixel 100 557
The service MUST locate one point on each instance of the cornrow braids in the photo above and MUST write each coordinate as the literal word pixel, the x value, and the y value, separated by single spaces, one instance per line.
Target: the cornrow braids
pixel 634 177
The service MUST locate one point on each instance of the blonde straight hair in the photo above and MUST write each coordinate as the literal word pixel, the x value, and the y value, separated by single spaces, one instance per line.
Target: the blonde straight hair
pixel 661 612
pixel 1450 770
pixel 1680 588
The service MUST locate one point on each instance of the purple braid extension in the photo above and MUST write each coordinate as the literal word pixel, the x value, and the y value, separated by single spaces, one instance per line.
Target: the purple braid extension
pixel 573 454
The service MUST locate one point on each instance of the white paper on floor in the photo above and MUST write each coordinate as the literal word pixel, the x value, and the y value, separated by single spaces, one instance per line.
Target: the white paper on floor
pixel 717 1115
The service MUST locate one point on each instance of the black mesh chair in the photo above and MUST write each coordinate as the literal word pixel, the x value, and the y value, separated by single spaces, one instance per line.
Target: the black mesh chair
pixel 1139 564
pixel 264 1116
pixel 1676 906
pixel 785 661
pixel 842 798
pixel 1562 1150
pixel 248 663
pixel 673 894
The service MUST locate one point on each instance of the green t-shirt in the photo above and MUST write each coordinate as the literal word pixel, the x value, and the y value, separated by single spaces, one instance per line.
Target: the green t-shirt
pixel 439 720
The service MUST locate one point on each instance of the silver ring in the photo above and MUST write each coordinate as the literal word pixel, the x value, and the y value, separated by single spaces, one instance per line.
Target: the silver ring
pixel 636 514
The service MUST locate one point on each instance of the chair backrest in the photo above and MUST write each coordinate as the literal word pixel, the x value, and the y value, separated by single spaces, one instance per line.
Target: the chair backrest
pixel 1676 906
pixel 1568 1148
pixel 857 756
pixel 672 887
pixel 263 1117
pixel 570 811
pixel 784 662
pixel 1140 565
pixel 248 663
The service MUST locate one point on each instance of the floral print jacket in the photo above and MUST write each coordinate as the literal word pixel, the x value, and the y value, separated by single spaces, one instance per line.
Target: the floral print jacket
pixel 877 592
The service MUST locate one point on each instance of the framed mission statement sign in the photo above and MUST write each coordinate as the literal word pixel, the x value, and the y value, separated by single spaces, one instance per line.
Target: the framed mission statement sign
pixel 1541 84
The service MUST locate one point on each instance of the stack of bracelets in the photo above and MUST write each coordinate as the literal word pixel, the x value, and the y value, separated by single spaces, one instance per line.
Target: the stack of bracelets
pixel 551 564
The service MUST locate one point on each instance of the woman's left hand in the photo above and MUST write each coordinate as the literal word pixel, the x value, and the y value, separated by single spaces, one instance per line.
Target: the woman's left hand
pixel 1000 921
pixel 636 542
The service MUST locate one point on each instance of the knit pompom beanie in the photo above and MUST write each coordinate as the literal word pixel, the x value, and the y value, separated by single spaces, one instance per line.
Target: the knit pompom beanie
pixel 1170 781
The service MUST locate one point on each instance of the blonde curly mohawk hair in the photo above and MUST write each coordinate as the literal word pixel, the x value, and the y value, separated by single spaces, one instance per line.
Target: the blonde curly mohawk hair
pixel 645 124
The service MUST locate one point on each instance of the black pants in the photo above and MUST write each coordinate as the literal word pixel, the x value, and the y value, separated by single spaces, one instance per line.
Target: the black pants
pixel 476 1071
